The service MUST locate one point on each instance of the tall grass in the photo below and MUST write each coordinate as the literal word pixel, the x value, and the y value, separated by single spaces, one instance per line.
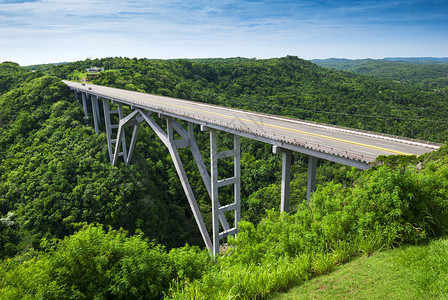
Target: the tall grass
pixel 430 267
pixel 410 272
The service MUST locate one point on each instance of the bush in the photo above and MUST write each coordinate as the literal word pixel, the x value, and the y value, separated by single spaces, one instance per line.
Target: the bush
pixel 99 264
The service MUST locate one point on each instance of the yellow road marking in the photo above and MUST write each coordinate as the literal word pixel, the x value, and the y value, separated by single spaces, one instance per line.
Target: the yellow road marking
pixel 273 126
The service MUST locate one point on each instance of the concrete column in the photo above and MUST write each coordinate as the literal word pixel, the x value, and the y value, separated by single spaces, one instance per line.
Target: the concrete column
pixel 312 166
pixel 237 173
pixel 214 191
pixel 286 176
pixel 84 106
pixel 96 112
pixel 286 180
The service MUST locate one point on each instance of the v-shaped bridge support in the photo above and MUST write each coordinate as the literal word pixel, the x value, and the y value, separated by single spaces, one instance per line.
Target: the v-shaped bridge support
pixel 118 148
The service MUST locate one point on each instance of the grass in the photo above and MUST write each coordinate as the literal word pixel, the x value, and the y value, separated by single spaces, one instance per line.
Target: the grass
pixel 413 272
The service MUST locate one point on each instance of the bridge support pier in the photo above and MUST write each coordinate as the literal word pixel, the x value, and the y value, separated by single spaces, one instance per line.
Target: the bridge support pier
pixel 84 106
pixel 312 166
pixel 217 209
pixel 96 112
pixel 286 176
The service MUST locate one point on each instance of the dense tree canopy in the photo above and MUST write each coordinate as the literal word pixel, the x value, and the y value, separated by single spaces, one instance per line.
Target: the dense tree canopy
pixel 426 73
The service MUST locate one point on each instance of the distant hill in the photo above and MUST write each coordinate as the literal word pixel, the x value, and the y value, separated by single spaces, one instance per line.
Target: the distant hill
pixel 419 60
pixel 425 71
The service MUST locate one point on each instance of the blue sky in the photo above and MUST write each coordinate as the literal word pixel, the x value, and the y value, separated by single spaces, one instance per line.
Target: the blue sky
pixel 46 31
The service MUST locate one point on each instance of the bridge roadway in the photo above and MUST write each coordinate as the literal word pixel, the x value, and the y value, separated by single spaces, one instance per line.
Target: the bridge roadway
pixel 347 146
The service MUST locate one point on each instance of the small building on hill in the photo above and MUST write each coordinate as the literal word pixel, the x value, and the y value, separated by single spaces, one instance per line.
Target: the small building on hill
pixel 94 70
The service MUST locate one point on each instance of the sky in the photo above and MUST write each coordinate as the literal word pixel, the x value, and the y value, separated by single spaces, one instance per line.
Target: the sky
pixel 51 31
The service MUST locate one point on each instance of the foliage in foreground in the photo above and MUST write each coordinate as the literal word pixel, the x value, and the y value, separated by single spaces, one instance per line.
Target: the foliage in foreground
pixel 98 264
pixel 386 207
pixel 410 272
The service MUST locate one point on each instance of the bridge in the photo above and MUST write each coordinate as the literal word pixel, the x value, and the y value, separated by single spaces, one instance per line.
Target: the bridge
pixel 346 146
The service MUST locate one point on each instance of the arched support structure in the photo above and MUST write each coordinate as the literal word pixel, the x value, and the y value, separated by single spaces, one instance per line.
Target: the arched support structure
pixel 117 147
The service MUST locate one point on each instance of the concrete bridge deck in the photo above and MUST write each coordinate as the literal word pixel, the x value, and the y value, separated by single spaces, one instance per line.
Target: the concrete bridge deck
pixel 348 146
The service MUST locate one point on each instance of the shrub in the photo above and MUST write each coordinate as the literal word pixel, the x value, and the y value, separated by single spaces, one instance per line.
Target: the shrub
pixel 98 264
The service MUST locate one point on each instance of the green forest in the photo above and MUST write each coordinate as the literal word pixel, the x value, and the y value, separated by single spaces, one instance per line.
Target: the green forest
pixel 425 72
pixel 73 226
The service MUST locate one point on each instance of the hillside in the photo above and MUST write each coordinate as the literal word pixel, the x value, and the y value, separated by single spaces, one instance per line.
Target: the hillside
pixel 62 204
pixel 402 273
pixel 426 72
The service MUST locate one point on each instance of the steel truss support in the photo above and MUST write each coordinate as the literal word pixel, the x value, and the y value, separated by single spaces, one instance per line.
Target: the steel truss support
pixel 118 148
pixel 217 209
pixel 200 164
pixel 187 140
pixel 114 144
pixel 124 122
